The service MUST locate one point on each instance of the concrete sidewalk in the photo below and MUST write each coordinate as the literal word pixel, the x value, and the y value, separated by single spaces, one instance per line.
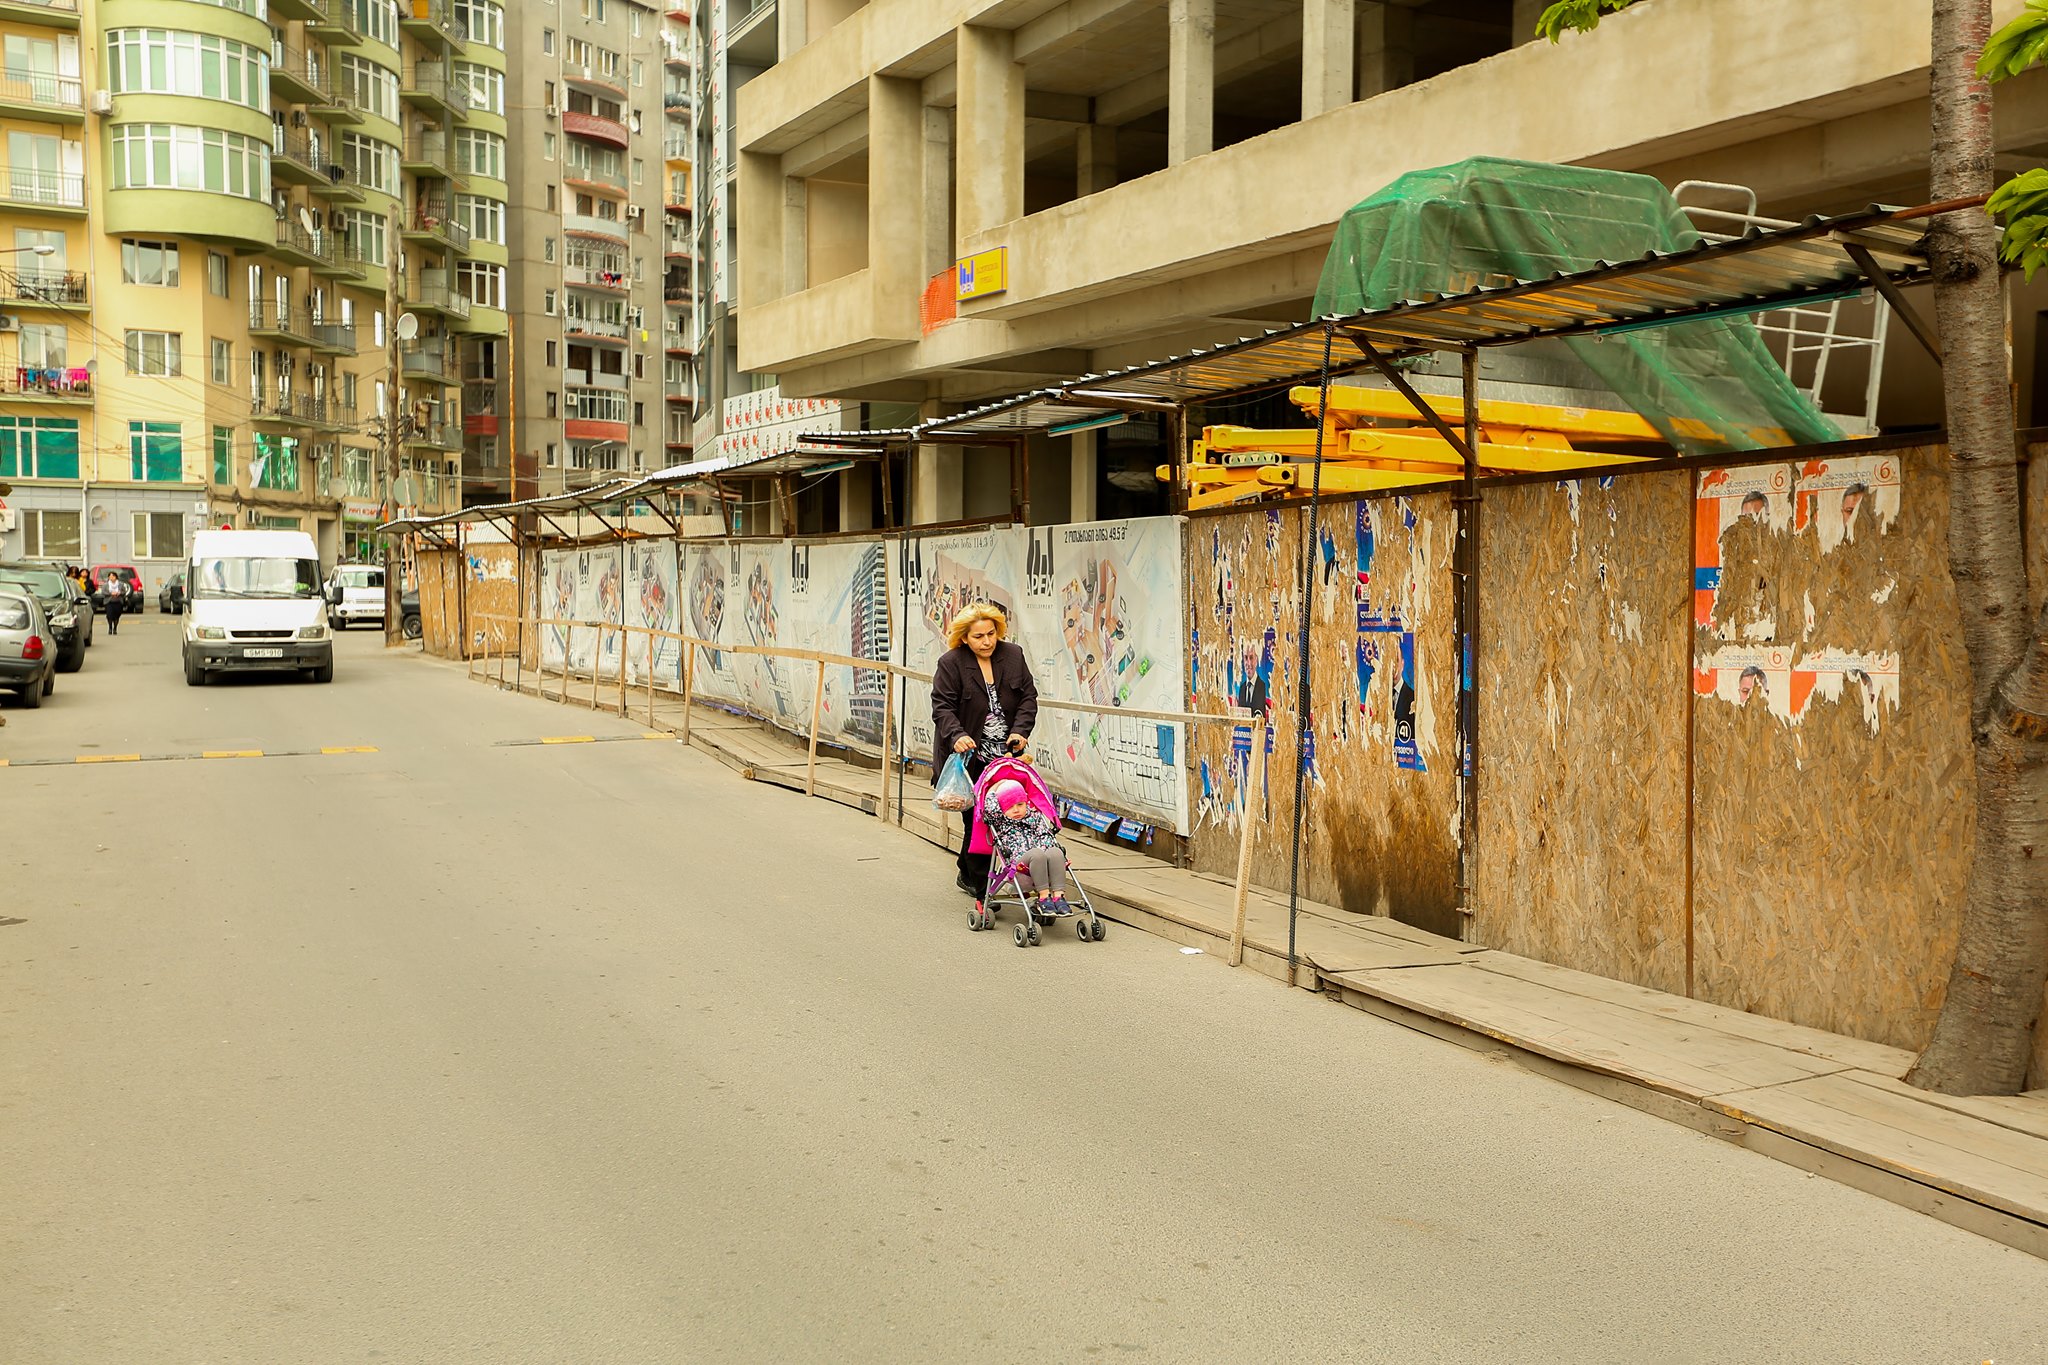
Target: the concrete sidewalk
pixel 1828 1104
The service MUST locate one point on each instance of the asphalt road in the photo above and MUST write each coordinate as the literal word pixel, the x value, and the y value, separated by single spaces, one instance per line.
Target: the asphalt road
pixel 467 1050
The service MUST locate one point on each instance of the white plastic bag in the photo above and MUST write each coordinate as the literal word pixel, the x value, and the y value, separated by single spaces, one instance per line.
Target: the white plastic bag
pixel 953 791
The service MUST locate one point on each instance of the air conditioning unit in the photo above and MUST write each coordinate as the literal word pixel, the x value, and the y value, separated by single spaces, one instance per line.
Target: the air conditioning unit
pixel 9 323
pixel 103 101
pixel 553 110
pixel 298 118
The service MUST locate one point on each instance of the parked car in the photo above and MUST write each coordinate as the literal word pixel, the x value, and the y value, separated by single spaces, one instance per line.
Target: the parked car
pixel 28 652
pixel 409 614
pixel 354 592
pixel 102 572
pixel 65 609
pixel 170 598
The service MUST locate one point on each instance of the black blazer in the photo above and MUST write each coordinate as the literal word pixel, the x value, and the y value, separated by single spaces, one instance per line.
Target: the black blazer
pixel 960 699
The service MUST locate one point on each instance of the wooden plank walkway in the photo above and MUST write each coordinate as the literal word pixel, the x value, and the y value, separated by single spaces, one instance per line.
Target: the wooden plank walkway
pixel 1826 1103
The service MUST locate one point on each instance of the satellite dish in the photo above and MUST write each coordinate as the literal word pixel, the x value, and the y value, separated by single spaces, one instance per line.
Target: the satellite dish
pixel 337 488
pixel 99 512
pixel 306 220
pixel 408 326
pixel 401 488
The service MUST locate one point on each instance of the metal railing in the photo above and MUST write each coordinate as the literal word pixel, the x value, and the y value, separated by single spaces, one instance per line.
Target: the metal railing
pixel 438 294
pixel 424 364
pixel 430 148
pixel 432 80
pixel 339 15
pixel 47 286
pixel 594 327
pixel 281 319
pixel 335 336
pixel 41 88
pixel 594 175
pixel 431 220
pixel 44 189
pixel 480 398
pixel 588 222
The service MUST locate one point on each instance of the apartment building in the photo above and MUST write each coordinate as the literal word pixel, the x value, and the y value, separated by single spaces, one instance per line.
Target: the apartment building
pixel 576 389
pixel 680 272
pixel 1136 179
pixel 201 211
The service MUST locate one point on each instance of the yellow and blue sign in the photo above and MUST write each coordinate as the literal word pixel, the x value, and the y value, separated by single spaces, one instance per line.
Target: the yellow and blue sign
pixel 982 274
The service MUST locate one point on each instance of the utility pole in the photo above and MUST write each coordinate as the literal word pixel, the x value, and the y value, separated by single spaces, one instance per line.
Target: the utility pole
pixel 394 407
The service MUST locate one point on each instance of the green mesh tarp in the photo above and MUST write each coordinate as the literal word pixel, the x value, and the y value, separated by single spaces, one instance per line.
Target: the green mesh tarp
pixel 1708 386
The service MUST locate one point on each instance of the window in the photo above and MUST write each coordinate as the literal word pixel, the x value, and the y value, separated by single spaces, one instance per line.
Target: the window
pixel 482 283
pixel 551 454
pixel 149 263
pixel 377 336
pixel 156 452
pixel 46 346
pixel 377 19
pixel 39 447
pixel 50 535
pixel 159 535
pixel 486 87
pixel 554 404
pixel 639 414
pixel 223 369
pixel 479 21
pixel 547 302
pixel 639 171
pixel 639 366
pixel 374 164
pixel 636 21
pixel 217 274
pixel 551 198
pixel 547 146
pixel 348 388
pixel 369 87
pixel 165 156
pixel 485 218
pixel 160 354
pixel 547 45
pixel 639 67
pixel 274 462
pixel 478 153
pixel 547 249
pixel 155 61
pixel 224 456
pixel 365 232
pixel 551 354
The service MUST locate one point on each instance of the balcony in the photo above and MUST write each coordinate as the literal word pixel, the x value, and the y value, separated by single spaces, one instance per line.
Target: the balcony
pixel 429 363
pixel 594 179
pixel 431 22
pixel 597 128
pixel 339 258
pixel 675 343
pixel 45 289
pixel 337 184
pixel 592 80
pixel 333 21
pixel 594 329
pixel 30 384
pixel 430 291
pixel 430 225
pixel 674 202
pixel 609 382
pixel 609 276
pixel 429 88
pixel 436 435
pixel 41 97
pixel 428 155
pixel 296 160
pixel 334 338
pixel 302 411
pixel 590 225
pixel 296 78
pixel 480 408
pixel 41 13
pixel 273 321
pixel 43 192
pixel 676 100
pixel 295 244
pixel 282 9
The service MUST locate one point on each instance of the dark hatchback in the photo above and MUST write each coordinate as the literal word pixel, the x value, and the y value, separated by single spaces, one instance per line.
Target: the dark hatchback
pixel 67 609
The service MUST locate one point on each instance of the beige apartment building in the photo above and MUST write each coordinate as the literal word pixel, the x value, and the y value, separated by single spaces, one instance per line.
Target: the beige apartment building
pixel 1159 175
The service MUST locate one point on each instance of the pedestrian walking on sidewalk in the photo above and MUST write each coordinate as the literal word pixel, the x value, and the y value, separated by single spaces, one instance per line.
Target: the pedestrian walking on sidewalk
pixel 117 602
pixel 984 703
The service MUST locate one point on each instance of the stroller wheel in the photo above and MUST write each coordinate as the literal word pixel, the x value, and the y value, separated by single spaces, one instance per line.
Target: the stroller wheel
pixel 1033 932
pixel 974 917
pixel 1018 934
pixel 1081 930
pixel 1100 930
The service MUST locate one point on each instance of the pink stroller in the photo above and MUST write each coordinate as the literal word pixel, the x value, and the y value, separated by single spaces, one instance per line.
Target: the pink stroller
pixel 1003 887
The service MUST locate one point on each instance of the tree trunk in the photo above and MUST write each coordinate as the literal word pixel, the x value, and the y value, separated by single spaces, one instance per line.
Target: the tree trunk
pixel 1984 1037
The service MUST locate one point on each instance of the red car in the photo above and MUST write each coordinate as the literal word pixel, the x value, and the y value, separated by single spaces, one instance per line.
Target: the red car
pixel 126 572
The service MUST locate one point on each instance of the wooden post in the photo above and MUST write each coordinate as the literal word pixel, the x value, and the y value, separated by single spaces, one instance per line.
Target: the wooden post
pixel 625 643
pixel 817 707
pixel 888 719
pixel 596 658
pixel 689 673
pixel 1254 772
pixel 650 680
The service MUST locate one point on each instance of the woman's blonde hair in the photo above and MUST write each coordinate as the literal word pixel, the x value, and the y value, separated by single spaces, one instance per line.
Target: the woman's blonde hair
pixel 956 633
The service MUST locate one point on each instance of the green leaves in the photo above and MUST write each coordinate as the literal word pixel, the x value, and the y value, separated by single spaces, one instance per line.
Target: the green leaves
pixel 1583 16
pixel 2019 45
pixel 2022 202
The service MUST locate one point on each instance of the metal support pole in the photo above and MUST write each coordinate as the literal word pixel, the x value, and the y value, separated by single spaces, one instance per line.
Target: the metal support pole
pixel 1467 645
pixel 1304 715
pixel 1254 775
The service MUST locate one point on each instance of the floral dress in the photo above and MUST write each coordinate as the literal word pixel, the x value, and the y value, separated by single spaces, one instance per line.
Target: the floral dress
pixel 995 731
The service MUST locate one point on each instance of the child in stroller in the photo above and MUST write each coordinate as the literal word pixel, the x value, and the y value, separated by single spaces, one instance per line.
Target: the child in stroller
pixel 1017 820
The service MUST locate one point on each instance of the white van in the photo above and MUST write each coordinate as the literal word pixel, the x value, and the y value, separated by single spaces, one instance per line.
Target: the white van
pixel 253 602
pixel 355 592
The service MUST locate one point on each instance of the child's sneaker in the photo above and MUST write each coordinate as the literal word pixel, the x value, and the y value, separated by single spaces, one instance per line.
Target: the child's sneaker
pixel 1060 908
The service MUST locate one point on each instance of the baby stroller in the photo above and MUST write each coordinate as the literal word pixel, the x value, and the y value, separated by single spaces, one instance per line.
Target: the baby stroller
pixel 1003 888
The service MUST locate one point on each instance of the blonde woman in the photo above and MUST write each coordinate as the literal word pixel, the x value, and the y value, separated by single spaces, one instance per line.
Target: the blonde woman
pixel 984 703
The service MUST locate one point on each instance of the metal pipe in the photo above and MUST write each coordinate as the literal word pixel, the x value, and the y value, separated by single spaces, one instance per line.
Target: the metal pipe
pixel 1304 718
pixel 1467 645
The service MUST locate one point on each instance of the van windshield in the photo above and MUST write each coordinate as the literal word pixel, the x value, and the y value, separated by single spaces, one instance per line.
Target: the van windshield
pixel 360 578
pixel 214 579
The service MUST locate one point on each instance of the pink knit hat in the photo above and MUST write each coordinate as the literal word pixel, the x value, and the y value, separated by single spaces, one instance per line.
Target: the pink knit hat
pixel 1007 793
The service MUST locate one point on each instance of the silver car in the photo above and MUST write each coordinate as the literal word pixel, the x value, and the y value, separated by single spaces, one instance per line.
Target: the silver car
pixel 28 651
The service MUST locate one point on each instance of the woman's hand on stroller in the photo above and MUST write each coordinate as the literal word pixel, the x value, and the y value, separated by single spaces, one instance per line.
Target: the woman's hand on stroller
pixel 1016 744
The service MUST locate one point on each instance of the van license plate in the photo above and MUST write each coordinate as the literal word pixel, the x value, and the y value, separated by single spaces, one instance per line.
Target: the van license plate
pixel 263 654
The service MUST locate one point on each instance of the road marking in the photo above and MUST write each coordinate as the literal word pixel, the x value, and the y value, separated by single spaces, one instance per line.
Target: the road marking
pixel 108 758
pixel 173 758
pixel 351 749
pixel 232 753
pixel 569 739
pixel 579 739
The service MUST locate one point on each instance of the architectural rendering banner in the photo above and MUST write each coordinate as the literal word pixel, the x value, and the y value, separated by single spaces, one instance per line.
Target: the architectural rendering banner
pixel 1097 609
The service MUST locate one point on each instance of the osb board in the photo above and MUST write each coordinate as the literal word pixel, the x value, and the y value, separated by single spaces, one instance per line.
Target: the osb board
pixel 1583 669
pixel 1832 834
pixel 1378 837
pixel 491 598
pixel 435 573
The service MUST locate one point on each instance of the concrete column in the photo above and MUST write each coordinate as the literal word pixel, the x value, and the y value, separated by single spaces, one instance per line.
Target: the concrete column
pixel 762 207
pixel 1095 159
pixel 796 236
pixel 938 190
pixel 1081 474
pixel 792 27
pixel 937 486
pixel 1190 79
pixel 896 273
pixel 1386 47
pixel 991 131
pixel 1329 57
pixel 1527 12
pixel 857 498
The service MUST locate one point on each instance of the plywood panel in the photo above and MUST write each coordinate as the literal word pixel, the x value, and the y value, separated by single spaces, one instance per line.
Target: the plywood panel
pixel 1380 813
pixel 491 598
pixel 1583 671
pixel 1834 815
pixel 434 572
